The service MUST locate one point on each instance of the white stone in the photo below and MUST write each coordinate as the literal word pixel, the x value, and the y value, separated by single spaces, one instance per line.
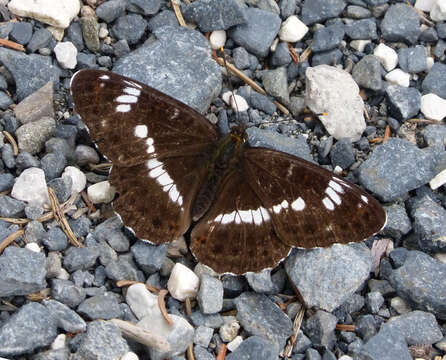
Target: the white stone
pixel 58 13
pixel 387 56
pixel 433 107
pixel 237 102
pixel 345 357
pixel 59 342
pixel 337 170
pixel 398 77
pixel 424 5
pixel 438 180
pixel 66 54
pixel 359 44
pixel 101 192
pixel 130 356
pixel 217 39
pixel 33 247
pixel 229 331
pixel 183 283
pixel 103 33
pixel 438 11
pixel 333 91
pixel 179 335
pixel 292 29
pixel 63 274
pixel 142 301
pixel 234 344
pixel 78 178
pixel 429 63
pixel 57 32
pixel 31 187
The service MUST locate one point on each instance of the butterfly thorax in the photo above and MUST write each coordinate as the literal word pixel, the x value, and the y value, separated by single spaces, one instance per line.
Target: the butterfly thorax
pixel 224 159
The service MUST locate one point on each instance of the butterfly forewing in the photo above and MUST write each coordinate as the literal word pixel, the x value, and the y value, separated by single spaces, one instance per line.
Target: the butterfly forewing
pixel 158 147
pixel 236 235
pixel 310 206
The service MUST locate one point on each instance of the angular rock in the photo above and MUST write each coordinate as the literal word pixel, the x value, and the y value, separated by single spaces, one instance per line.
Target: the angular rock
pixel 30 328
pixel 111 10
pixel 67 319
pixel 418 281
pixel 31 187
pixel 404 103
pixel 396 167
pixel 67 292
pixel 367 73
pixel 10 207
pixel 22 272
pixel 334 91
pixel 170 56
pixel 183 283
pixel 328 277
pixel 130 28
pixel 254 348
pixel 321 10
pixel 32 136
pixel 435 81
pixel 104 306
pixel 260 316
pixel 320 329
pixel 210 295
pixel 149 257
pixel 275 84
pixel 401 23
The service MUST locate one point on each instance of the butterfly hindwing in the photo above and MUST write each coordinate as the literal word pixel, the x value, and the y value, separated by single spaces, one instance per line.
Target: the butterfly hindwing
pixel 310 206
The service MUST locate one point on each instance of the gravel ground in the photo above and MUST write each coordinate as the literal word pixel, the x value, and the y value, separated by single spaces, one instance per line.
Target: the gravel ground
pixel 377 68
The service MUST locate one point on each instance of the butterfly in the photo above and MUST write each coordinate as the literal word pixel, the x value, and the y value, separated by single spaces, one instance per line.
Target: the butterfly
pixel 248 206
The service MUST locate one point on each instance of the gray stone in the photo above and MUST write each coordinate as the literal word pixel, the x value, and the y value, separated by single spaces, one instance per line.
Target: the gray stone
pixel 212 15
pixel 111 10
pixel 34 232
pixel 5 100
pixel 90 33
pixel 398 223
pixel 429 224
pixel 30 328
pixel 123 269
pixel 317 11
pixel 30 72
pixel 10 207
pixel 364 29
pixel 6 182
pixel 263 283
pixel 163 18
pixel 146 7
pixel 103 340
pixel 86 155
pixel 53 164
pixel 210 294
pixel 55 239
pixel 8 156
pixel 435 81
pixel 412 59
pixel 213 321
pixel 262 102
pixel 241 58
pixel 80 258
pixel 61 146
pixel 367 73
pixel 374 301
pixel 366 326
pixel 327 38
pixel 104 306
pixel 381 286
pixel 254 348
pixel 36 106
pixel 149 257
pixel 312 354
pixel 418 281
pixel 287 8
pixel 67 292
pixel 417 327
pixel 302 343
pixel 357 12
pixel 130 28
pixel 342 154
pixel 171 57
pixel 67 319
pixel 74 34
pixel 22 272
pixel 326 278
pixel 386 345
pixel 80 226
pixel 275 83
pixel 32 136
pixel 21 32
pixel 281 56
pixel 202 354
pixel 265 138
pixel 41 38
pixel 320 329
pixel 401 23
pixel 203 336
pixel 62 186
pixel 258 33
pixel 260 316
pixel 396 167
pixel 434 135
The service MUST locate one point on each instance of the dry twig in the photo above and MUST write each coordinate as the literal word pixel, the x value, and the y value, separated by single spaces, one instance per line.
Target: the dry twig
pixel 59 215
pixel 12 45
pixel 293 53
pixel 162 305
pixel 177 10
pixel 387 133
pixel 305 55
pixel 40 295
pixel 345 327
pixel 190 352
pixel 296 327
pixel 222 352
pixel 10 239
pixel 122 283
pixel 12 141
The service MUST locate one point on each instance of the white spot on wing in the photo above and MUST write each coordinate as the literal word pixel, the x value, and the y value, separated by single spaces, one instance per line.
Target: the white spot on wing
pixel 333 195
pixel 228 218
pixel 164 179
pixel 126 99
pixel 328 203
pixel 336 187
pixel 246 216
pixel 123 108
pixel 132 91
pixel 363 198
pixel 104 77
pixel 141 131
pixel 257 216
pixel 298 204
pixel 153 163
pixel 156 172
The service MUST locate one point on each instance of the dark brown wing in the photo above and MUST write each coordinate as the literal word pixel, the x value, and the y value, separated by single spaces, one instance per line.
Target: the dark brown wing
pixel 310 206
pixel 236 235
pixel 158 147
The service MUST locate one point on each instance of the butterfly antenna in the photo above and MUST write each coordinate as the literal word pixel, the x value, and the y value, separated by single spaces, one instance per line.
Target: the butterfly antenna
pixel 231 89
